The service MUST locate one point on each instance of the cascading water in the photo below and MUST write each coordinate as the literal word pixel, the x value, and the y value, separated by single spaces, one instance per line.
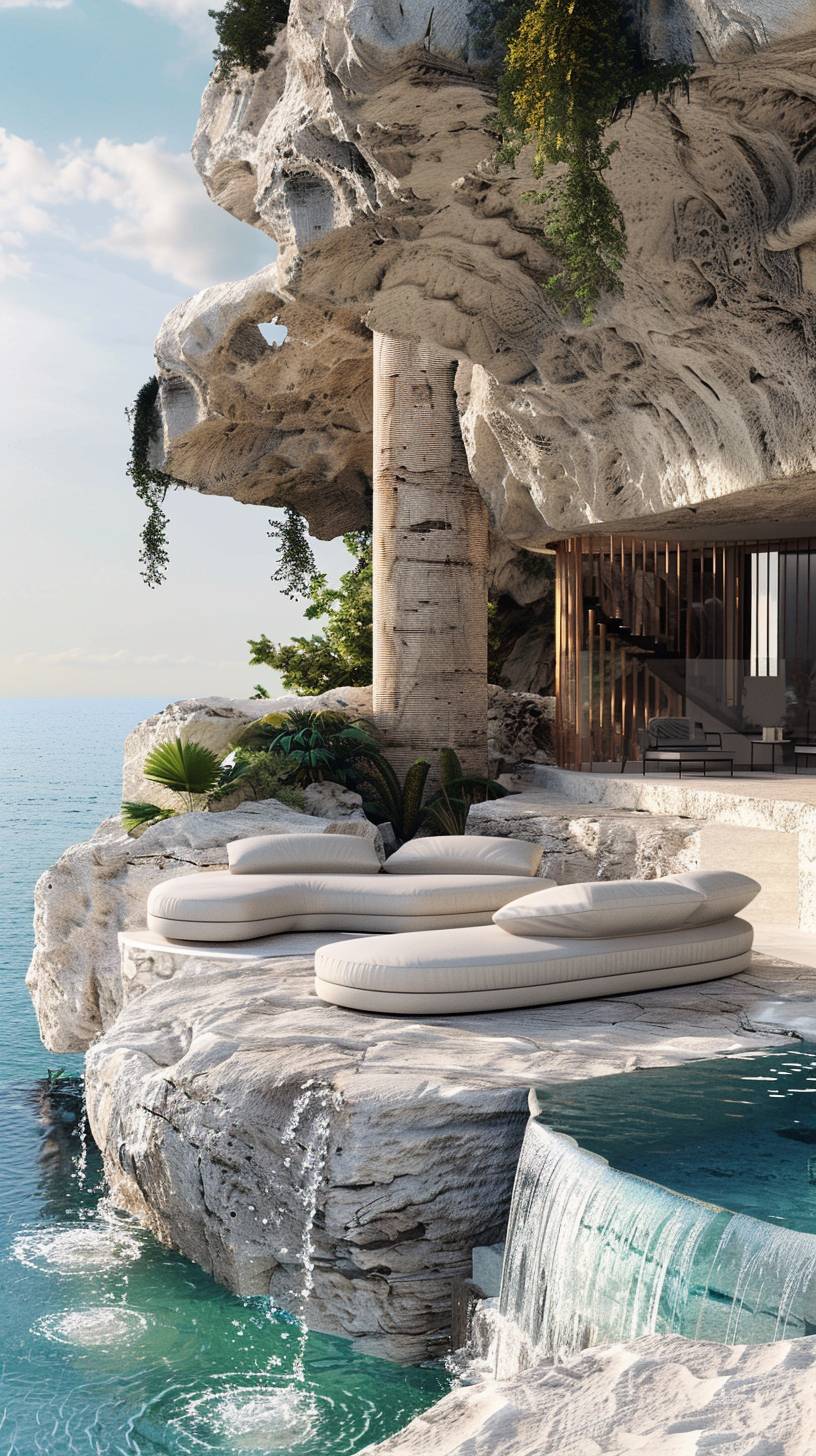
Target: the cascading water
pixel 596 1255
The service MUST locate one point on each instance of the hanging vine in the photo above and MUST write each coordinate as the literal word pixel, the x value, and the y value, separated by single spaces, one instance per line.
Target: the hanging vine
pixel 570 69
pixel 150 483
pixel 296 568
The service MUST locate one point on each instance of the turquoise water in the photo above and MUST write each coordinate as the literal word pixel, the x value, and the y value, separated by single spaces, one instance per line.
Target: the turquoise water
pixel 680 1200
pixel 736 1131
pixel 110 1343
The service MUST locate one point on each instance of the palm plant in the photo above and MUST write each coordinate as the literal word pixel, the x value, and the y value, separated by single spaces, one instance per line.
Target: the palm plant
pixel 319 745
pixel 186 769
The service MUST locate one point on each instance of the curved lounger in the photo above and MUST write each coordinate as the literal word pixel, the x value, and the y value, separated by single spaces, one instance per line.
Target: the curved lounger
pixel 448 972
pixel 219 906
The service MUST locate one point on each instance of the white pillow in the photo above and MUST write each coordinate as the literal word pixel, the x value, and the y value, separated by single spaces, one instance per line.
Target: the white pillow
pixel 465 854
pixel 725 893
pixel 280 854
pixel 601 907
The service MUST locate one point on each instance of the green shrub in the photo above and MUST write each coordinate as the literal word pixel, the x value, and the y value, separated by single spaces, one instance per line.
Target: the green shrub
pixel 317 746
pixel 245 28
pixel 571 68
pixel 258 774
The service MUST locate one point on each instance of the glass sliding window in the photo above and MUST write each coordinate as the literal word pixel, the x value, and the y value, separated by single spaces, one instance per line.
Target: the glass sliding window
pixel 764 661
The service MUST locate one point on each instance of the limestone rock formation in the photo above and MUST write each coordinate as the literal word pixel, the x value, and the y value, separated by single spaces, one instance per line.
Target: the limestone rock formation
pixel 363 149
pixel 584 842
pixel 98 888
pixel 416 1123
pixel 650 1395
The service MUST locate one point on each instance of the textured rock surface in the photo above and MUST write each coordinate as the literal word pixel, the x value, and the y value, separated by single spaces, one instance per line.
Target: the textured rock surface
pixel 192 1089
pixel 100 887
pixel 652 1395
pixel 363 150
pixel 582 842
pixel 519 728
pixel 332 801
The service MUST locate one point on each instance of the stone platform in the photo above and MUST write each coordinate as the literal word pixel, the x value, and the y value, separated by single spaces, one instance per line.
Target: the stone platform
pixel 224 1080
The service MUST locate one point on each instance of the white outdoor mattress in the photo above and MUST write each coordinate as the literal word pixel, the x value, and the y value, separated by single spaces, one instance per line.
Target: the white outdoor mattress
pixel 444 972
pixel 219 906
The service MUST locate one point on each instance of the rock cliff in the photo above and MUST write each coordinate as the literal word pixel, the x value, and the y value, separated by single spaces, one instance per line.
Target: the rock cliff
pixel 364 151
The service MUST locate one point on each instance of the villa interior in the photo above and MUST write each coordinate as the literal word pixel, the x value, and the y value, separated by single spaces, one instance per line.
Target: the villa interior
pixel 722 632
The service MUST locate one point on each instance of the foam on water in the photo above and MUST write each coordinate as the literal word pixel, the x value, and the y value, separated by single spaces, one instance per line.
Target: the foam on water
pixel 249 1418
pixel 76 1249
pixel 101 1325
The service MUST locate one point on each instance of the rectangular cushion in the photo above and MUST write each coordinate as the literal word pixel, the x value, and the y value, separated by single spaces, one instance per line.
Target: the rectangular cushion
pixel 274 854
pixel 601 907
pixel 465 854
pixel 725 892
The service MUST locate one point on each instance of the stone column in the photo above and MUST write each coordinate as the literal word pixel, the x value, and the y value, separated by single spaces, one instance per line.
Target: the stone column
pixel 430 564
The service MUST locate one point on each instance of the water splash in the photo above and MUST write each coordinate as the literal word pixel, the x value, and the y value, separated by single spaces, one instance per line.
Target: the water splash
pixel 597 1255
pixel 309 1129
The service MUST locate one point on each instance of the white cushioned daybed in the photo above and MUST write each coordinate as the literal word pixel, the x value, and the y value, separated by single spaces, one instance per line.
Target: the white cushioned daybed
pixel 561 944
pixel 286 882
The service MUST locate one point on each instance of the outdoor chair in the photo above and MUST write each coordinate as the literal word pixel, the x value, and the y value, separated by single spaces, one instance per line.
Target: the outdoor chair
pixel 681 741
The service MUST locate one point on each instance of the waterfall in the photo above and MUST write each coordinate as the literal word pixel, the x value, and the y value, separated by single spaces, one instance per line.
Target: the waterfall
pixel 594 1256
pixel 309 1127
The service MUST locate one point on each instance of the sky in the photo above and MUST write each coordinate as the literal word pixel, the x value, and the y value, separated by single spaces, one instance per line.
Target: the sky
pixel 104 227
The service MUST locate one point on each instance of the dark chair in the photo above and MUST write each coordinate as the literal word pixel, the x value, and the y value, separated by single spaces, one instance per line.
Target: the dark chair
pixel 681 740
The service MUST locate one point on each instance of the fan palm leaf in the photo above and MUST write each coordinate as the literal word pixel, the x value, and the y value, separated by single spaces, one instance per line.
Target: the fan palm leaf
pixel 184 768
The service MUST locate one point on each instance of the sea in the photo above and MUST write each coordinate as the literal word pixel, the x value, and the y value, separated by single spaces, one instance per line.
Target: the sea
pixel 109 1342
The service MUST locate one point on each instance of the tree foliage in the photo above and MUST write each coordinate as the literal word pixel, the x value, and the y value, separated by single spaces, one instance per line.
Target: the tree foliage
pixel 150 483
pixel 339 656
pixel 571 68
pixel 245 28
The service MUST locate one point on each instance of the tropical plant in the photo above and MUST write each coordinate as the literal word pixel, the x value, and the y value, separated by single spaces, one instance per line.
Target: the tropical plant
pixel 136 815
pixel 404 806
pixel 318 745
pixel 386 800
pixel 150 484
pixel 245 28
pixel 340 656
pixel 447 810
pixel 571 68
pixel 186 769
pixel 257 774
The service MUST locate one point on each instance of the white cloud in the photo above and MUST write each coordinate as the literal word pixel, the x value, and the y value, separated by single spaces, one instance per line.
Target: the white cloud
pixel 190 14
pixel 140 202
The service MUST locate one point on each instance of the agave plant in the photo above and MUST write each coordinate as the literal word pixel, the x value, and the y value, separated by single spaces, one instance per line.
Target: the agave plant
pixel 318 745
pixel 186 769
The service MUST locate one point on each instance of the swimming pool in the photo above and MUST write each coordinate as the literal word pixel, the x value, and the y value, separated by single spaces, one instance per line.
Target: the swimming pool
pixel 676 1200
